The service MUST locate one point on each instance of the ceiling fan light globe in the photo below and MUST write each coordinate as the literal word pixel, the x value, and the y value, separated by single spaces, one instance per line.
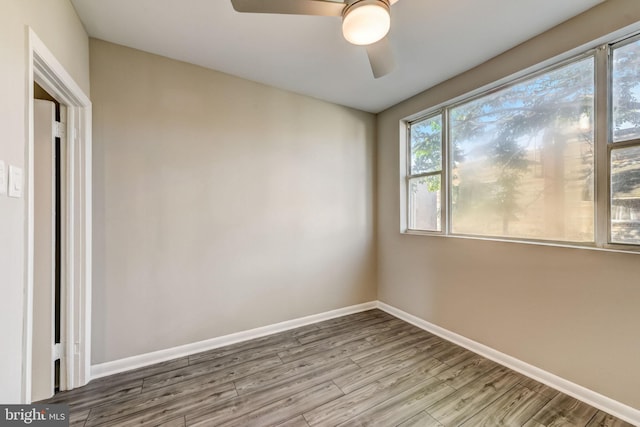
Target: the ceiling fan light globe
pixel 366 23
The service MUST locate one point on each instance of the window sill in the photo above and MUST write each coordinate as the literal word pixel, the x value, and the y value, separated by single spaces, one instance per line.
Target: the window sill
pixel 627 249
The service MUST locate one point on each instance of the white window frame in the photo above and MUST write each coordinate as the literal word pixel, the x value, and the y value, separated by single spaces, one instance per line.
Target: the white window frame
pixel 443 172
pixel 610 144
pixel 603 146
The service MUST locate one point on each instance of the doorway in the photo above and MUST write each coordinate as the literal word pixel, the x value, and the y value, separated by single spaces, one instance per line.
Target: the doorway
pixel 49 149
pixel 69 247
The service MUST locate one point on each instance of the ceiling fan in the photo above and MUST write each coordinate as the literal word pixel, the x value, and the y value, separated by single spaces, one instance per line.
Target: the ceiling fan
pixel 364 22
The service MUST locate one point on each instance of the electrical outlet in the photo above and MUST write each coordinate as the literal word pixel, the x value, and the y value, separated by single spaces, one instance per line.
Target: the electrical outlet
pixel 15 181
pixel 3 178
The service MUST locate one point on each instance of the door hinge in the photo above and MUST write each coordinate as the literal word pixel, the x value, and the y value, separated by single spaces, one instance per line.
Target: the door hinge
pixel 59 130
pixel 58 351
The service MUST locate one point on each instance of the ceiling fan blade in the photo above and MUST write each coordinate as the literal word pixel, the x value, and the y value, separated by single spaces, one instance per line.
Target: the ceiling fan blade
pixel 381 58
pixel 393 1
pixel 290 7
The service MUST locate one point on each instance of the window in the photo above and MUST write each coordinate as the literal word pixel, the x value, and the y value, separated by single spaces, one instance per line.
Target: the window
pixel 625 144
pixel 520 161
pixel 523 157
pixel 425 174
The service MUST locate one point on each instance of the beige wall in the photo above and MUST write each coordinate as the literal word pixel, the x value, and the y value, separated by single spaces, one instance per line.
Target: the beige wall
pixel 56 24
pixel 572 312
pixel 220 204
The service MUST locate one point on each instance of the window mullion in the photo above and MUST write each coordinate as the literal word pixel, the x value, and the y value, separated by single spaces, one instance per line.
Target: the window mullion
pixel 446 188
pixel 602 153
pixel 408 215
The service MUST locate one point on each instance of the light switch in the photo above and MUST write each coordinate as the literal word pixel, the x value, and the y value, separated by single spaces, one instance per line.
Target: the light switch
pixel 15 181
pixel 3 178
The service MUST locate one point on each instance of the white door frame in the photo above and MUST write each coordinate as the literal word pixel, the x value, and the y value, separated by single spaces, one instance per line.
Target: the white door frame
pixel 44 68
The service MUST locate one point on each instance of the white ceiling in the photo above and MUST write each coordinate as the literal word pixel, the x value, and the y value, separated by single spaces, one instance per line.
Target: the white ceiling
pixel 433 40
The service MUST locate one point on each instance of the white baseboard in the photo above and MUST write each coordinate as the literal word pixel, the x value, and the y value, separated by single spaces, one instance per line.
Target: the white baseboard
pixel 139 361
pixel 590 397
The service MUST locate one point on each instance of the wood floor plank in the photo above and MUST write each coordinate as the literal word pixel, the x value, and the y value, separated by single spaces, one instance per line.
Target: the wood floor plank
pixel 77 418
pixel 230 373
pixel 564 410
pixel 113 387
pixel 423 419
pixel 533 423
pixel 298 421
pixel 352 404
pixel 158 398
pixel 402 406
pixel 288 336
pixel 380 339
pixel 454 355
pixel 211 365
pixel 513 408
pixel 337 321
pixel 282 410
pixel 176 422
pixel 159 414
pixel 336 340
pixel 132 376
pixel 387 367
pixel 434 347
pixel 216 414
pixel 237 357
pixel 428 347
pixel 324 333
pixel 346 349
pixel 101 396
pixel 395 345
pixel 149 398
pixel 344 408
pixel 283 339
pixel 291 370
pixel 457 407
pixel 602 419
pixel 538 387
pixel 466 371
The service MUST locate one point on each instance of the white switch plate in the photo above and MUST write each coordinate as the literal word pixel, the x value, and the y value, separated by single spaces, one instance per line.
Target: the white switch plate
pixel 15 181
pixel 3 178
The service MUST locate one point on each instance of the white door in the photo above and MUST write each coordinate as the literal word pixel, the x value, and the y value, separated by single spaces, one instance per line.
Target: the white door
pixel 44 251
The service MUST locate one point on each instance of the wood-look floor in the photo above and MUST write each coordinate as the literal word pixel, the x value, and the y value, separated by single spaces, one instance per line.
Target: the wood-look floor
pixel 364 369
